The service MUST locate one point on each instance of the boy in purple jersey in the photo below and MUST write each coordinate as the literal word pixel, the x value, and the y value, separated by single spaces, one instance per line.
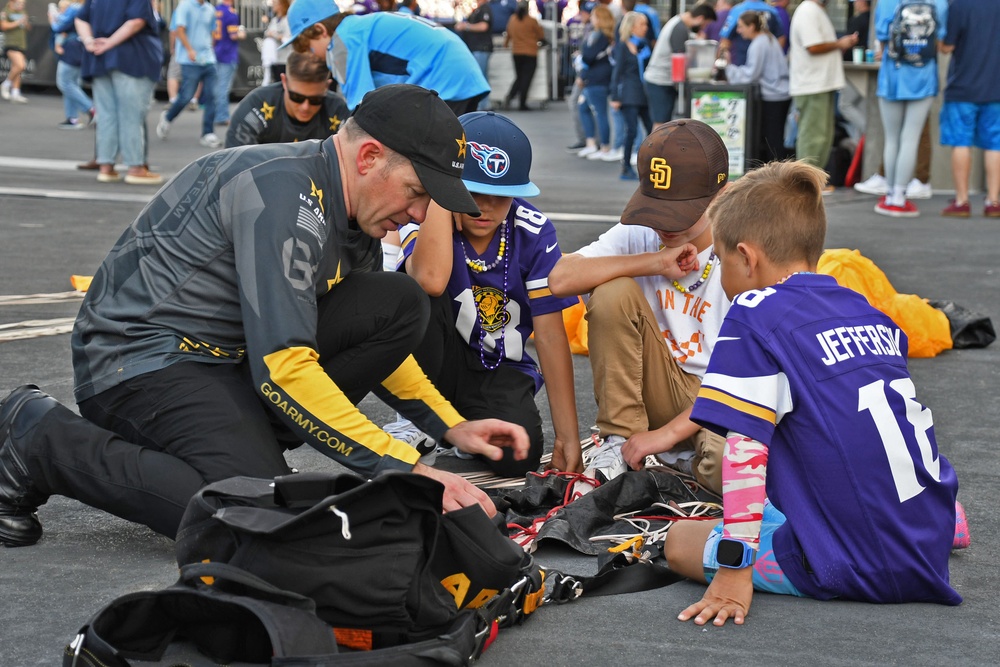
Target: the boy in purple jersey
pixel 833 486
pixel 488 280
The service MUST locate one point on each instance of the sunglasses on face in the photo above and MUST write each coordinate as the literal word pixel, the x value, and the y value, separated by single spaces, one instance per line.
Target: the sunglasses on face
pixel 299 98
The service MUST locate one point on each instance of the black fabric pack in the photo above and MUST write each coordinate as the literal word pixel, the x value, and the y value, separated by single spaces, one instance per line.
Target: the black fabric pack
pixel 968 328
pixel 594 513
pixel 374 555
pixel 230 616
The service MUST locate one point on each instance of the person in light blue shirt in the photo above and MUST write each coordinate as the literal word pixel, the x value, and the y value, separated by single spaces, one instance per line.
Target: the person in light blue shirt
pixel 195 23
pixel 375 50
pixel 905 93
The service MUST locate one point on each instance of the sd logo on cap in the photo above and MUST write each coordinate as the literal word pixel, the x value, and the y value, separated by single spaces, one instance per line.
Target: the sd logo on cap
pixel 682 166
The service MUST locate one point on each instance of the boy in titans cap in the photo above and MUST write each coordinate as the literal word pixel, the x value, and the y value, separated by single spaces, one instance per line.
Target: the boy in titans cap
pixel 487 276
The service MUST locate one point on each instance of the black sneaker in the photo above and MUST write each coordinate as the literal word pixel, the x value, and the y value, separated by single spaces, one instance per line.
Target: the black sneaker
pixel 19 499
pixel 576 147
pixel 70 124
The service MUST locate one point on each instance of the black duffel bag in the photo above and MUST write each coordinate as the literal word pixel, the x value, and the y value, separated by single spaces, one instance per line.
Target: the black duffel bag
pixel 383 564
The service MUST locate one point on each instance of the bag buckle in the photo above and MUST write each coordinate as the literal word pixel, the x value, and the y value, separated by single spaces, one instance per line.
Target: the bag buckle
pixel 565 588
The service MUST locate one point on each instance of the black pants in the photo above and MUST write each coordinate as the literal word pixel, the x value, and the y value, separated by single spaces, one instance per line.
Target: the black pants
pixel 632 114
pixel 468 105
pixel 144 447
pixel 771 143
pixel 524 72
pixel 477 393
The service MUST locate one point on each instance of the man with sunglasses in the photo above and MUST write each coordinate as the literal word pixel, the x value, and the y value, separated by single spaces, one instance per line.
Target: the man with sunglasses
pixel 299 107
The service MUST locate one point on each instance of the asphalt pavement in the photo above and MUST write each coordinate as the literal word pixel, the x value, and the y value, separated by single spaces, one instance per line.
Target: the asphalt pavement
pixel 56 221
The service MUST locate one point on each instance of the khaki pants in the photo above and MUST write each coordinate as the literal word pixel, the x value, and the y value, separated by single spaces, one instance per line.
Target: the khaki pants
pixel 637 384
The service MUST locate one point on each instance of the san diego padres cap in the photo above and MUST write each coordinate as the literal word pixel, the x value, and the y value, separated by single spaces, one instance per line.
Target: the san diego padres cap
pixel 682 165
pixel 499 156
pixel 417 124
pixel 303 14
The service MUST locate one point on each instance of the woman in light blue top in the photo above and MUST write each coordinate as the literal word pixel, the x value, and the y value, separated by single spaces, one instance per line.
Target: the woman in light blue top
pixel 907 86
pixel 767 66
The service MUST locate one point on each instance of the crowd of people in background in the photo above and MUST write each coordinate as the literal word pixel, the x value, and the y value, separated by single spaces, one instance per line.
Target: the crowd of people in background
pixel 615 72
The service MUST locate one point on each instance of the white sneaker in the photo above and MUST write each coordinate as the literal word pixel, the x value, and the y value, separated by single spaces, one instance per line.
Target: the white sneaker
pixel 405 430
pixel 584 152
pixel 607 460
pixel 635 159
pixel 613 155
pixel 599 154
pixel 18 98
pixel 163 127
pixel 210 140
pixel 193 104
pixel 918 190
pixel 875 185
pixel 5 90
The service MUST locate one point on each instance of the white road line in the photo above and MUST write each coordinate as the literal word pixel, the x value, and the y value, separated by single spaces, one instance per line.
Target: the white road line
pixel 76 194
pixel 37 163
pixel 143 198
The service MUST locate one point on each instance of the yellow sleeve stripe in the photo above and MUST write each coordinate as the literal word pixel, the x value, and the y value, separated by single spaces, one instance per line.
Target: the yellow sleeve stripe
pixel 296 372
pixel 539 293
pixel 737 404
pixel 409 382
pixel 410 239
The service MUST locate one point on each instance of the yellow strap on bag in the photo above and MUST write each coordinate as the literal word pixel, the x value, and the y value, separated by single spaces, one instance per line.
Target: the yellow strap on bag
pixel 926 327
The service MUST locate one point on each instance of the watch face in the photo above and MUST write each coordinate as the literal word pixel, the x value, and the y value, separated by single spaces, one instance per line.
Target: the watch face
pixel 730 553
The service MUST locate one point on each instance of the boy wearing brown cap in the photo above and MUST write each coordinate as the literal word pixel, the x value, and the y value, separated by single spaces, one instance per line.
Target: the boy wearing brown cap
pixel 655 309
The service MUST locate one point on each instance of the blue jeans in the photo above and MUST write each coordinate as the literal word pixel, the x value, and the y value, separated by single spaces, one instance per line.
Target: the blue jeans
pixel 619 124
pixel 483 60
pixel 191 76
pixel 596 98
pixel 122 102
pixel 224 73
pixel 75 101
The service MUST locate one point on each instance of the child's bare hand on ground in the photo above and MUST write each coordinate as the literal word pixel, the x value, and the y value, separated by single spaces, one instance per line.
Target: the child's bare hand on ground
pixel 728 596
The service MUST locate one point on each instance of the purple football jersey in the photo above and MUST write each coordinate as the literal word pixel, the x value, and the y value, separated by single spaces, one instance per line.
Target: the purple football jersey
pixel 483 306
pixel 813 371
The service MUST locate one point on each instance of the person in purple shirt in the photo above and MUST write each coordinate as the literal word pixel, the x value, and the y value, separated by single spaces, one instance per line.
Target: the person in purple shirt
pixel 722 8
pixel 488 280
pixel 228 32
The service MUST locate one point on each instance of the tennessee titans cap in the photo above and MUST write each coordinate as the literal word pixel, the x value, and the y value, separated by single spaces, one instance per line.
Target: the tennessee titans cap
pixel 417 124
pixel 304 13
pixel 682 165
pixel 499 156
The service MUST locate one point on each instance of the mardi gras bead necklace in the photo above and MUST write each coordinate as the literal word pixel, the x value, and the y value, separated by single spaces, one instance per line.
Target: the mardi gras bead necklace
pixel 792 274
pixel 478 266
pixel 704 276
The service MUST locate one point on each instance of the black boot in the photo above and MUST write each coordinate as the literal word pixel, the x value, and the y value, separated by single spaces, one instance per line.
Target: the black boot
pixel 19 498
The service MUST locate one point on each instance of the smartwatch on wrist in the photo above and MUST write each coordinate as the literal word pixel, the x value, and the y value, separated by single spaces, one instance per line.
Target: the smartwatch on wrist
pixel 734 554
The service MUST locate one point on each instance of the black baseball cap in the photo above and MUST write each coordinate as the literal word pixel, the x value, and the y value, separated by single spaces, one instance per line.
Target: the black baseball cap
pixel 682 165
pixel 417 124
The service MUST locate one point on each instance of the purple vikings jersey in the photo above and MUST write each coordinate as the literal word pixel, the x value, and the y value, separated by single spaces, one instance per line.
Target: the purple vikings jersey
pixel 869 501
pixel 483 308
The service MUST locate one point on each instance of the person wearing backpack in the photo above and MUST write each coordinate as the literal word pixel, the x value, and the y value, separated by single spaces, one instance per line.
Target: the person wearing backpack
pixel 908 32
